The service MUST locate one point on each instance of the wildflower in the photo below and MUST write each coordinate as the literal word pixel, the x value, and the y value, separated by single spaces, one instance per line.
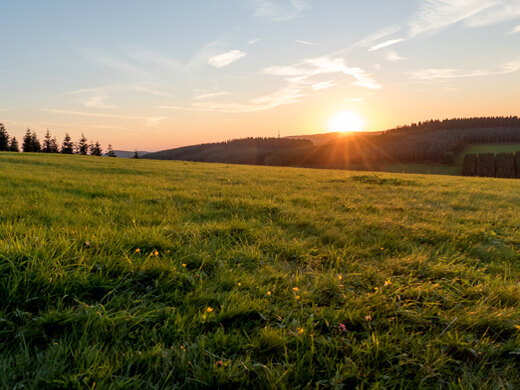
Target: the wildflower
pixel 301 330
pixel 340 277
pixel 368 318
pixel 219 363
pixel 388 283
pixel 376 288
pixel 269 293
pixel 296 289
pixel 239 284
pixel 209 309
pixel 183 265
pixel 156 253
pixel 137 250
pixel 517 327
pixel 297 297
pixel 342 327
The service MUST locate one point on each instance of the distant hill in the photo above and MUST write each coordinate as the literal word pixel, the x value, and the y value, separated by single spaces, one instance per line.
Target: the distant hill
pixel 323 138
pixel 128 154
pixel 432 141
pixel 241 151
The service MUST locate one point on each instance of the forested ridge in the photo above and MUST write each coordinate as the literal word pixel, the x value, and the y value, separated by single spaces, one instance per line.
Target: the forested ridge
pixel 433 141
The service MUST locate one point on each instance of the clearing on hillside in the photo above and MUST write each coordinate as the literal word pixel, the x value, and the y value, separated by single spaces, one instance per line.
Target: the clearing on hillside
pixel 151 274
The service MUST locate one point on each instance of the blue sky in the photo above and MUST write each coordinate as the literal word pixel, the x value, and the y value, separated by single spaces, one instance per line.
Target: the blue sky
pixel 157 74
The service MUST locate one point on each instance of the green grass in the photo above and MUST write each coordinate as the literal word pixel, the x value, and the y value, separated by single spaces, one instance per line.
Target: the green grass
pixel 143 274
pixel 429 169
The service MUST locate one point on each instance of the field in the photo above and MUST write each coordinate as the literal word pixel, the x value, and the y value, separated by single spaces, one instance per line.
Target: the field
pixel 487 148
pixel 143 274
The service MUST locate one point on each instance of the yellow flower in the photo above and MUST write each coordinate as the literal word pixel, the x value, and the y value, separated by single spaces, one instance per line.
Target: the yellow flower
pixel 517 327
pixel 340 277
pixel 297 297
pixel 183 265
pixel 137 250
pixel 156 253
pixel 301 330
pixel 209 309
pixel 239 284
pixel 296 289
pixel 269 293
pixel 388 283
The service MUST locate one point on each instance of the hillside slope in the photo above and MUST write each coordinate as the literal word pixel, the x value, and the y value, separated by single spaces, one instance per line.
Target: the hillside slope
pixel 156 274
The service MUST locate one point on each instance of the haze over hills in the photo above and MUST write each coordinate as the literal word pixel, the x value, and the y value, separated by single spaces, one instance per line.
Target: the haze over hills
pixel 432 141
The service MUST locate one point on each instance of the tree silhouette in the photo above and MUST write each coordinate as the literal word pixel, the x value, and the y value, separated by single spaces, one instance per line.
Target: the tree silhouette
pixel 110 151
pixel 53 147
pixel 83 145
pixel 136 155
pixel 47 142
pixel 96 150
pixel 4 138
pixel 68 146
pixel 29 142
pixel 13 146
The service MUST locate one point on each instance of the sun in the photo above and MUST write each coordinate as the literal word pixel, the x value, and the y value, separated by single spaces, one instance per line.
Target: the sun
pixel 346 121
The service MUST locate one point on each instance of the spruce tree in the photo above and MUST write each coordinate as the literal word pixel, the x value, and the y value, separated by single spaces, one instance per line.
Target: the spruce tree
pixel 4 138
pixel 83 145
pixel 68 146
pixel 47 142
pixel 96 150
pixel 54 148
pixel 110 151
pixel 35 143
pixel 13 146
pixel 27 141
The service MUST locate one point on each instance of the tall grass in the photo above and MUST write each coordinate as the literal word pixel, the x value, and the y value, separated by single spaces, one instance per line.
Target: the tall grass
pixel 148 274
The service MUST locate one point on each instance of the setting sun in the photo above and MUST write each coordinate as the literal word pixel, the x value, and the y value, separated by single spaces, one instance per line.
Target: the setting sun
pixel 346 121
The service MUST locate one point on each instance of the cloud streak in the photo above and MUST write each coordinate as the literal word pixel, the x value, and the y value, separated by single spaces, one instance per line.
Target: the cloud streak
pixel 446 74
pixel 226 59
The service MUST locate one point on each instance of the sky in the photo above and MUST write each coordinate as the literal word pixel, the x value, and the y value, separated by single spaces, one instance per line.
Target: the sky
pixel 152 75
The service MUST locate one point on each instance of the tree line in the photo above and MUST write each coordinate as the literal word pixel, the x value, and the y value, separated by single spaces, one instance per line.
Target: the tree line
pixel 506 165
pixel 31 144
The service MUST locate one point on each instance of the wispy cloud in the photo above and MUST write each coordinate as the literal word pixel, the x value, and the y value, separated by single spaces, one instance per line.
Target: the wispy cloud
pixel 301 73
pixel 148 121
pixel 323 85
pixel 288 95
pixel 447 74
pixel 253 41
pixel 392 56
pixel 515 30
pixel 208 95
pixel 280 10
pixel 225 59
pixel 377 37
pixel 98 102
pixel 384 44
pixel 309 43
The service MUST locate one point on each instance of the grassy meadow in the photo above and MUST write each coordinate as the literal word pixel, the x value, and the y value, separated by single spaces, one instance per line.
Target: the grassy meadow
pixel 141 274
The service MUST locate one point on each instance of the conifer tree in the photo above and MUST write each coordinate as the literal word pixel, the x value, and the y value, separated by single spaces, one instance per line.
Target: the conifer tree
pixel 4 138
pixel 27 141
pixel 136 155
pixel 13 146
pixel 68 146
pixel 110 151
pixel 35 143
pixel 47 142
pixel 96 150
pixel 54 148
pixel 83 145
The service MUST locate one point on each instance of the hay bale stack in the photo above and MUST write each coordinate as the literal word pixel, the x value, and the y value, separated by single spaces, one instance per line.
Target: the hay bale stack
pixel 469 166
pixel 486 165
pixel 505 165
